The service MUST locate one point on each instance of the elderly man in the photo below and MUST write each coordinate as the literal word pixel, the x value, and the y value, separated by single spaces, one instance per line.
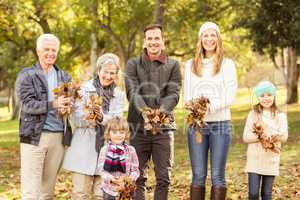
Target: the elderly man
pixel 42 133
pixel 152 80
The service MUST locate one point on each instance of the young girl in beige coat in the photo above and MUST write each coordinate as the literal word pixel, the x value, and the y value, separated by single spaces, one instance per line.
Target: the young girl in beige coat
pixel 263 155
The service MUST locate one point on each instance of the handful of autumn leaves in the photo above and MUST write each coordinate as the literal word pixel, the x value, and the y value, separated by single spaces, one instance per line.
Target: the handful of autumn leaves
pixel 271 142
pixel 67 90
pixel 195 119
pixel 91 105
pixel 127 192
pixel 154 119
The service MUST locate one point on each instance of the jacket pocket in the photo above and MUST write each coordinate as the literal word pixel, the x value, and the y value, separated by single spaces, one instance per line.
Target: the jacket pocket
pixel 27 126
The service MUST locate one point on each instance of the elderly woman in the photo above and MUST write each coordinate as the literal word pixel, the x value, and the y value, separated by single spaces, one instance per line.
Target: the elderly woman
pixel 82 156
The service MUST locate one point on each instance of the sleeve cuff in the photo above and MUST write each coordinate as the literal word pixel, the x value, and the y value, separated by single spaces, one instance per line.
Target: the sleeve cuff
pixel 50 105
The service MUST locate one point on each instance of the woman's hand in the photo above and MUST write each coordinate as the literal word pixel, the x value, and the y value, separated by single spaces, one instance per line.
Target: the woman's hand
pixel 99 113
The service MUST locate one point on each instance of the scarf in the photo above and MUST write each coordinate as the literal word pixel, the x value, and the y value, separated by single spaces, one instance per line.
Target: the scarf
pixel 106 93
pixel 115 158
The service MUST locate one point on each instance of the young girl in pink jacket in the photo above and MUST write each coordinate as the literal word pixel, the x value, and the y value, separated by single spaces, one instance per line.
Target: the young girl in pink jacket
pixel 117 158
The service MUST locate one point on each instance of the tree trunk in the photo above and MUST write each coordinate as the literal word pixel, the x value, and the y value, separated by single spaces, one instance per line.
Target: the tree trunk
pixel 10 93
pixel 93 56
pixel 283 67
pixel 292 76
pixel 15 106
pixel 159 12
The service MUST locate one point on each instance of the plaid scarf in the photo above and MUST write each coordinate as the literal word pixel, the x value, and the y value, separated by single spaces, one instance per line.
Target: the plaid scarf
pixel 115 158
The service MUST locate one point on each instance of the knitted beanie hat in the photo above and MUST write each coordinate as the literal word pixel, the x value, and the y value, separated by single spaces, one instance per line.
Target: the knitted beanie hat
pixel 208 25
pixel 265 87
pixel 107 58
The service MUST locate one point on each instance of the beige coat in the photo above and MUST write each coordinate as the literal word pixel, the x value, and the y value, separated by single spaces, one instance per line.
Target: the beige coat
pixel 259 160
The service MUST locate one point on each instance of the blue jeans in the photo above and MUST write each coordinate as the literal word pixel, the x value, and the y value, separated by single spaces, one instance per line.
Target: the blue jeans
pixel 254 181
pixel 216 138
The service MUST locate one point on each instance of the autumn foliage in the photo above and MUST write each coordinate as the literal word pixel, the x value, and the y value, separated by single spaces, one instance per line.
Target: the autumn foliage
pixel 268 142
pixel 154 119
pixel 128 191
pixel 198 108
pixel 68 90
pixel 90 107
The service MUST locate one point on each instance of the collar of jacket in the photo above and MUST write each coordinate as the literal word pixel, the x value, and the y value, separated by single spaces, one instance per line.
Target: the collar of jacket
pixel 40 67
pixel 60 77
pixel 161 58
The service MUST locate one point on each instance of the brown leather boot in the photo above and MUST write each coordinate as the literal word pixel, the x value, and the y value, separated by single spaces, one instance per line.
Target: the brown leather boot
pixel 217 193
pixel 197 193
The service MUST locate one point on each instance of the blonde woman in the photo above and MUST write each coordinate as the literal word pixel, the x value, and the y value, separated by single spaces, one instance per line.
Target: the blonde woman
pixel 211 75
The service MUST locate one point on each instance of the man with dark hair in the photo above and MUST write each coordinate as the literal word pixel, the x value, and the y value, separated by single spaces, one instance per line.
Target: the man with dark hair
pixel 42 133
pixel 153 80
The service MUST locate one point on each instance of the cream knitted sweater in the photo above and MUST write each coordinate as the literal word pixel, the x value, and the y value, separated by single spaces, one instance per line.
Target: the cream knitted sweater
pixel 259 160
pixel 220 88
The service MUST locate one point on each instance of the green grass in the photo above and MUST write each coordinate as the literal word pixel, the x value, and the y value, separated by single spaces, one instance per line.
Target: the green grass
pixel 286 186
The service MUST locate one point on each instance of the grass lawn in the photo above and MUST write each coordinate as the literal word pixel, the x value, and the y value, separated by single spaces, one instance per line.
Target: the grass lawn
pixel 287 185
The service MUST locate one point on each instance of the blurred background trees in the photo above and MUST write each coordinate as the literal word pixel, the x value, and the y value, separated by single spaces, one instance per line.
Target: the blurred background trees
pixel 257 34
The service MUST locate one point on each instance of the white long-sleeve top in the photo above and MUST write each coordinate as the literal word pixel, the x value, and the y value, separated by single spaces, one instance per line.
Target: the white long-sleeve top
pixel 260 160
pixel 220 89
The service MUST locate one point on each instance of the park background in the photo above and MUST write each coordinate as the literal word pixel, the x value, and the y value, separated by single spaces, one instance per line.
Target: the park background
pixel 261 36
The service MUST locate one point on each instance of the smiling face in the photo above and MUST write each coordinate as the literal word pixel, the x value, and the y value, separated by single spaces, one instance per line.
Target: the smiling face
pixel 47 53
pixel 266 100
pixel 108 74
pixel 154 42
pixel 117 136
pixel 209 40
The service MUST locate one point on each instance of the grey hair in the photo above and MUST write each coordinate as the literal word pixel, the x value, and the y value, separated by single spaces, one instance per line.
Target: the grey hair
pixel 44 37
pixel 107 59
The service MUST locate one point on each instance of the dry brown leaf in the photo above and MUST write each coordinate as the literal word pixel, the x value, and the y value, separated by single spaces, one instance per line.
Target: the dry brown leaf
pixel 89 107
pixel 198 137
pixel 271 143
pixel 70 90
pixel 154 119
pixel 129 188
pixel 195 118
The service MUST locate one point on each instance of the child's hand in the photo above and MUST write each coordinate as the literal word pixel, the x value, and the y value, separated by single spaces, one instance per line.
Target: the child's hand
pixel 121 185
pixel 114 180
pixel 119 182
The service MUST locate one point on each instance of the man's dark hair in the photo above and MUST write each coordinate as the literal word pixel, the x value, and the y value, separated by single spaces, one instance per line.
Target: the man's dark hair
pixel 151 27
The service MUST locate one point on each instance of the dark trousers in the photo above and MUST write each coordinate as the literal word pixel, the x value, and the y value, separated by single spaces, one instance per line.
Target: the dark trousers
pixel 257 182
pixel 160 148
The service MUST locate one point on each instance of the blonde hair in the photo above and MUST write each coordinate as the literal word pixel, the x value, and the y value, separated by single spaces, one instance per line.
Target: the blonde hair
pixel 200 53
pixel 117 123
